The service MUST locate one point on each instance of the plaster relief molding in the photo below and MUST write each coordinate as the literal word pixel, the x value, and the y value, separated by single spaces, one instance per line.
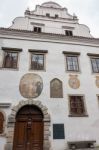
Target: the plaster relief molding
pixel 68 27
pixel 37 24
pixel 11 123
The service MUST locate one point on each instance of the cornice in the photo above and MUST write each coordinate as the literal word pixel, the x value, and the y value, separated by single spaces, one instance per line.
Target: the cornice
pixel 71 53
pixel 13 49
pixel 78 40
pixel 38 51
pixel 51 18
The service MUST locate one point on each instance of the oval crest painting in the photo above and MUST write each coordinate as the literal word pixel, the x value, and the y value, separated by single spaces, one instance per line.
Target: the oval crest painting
pixel 31 85
pixel 74 82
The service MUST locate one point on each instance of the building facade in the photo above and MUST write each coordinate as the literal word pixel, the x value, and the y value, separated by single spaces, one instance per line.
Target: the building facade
pixel 49 82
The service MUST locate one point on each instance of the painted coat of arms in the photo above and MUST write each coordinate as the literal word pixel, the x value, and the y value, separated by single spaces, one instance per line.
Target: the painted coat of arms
pixel 74 82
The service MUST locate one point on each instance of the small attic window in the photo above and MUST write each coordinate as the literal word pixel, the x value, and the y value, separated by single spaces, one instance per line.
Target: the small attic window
pixel 47 15
pixel 68 33
pixel 37 29
pixel 56 16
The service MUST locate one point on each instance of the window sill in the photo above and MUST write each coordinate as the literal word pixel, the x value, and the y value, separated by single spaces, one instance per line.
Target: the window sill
pixel 68 71
pixel 37 70
pixel 10 69
pixel 95 73
pixel 71 115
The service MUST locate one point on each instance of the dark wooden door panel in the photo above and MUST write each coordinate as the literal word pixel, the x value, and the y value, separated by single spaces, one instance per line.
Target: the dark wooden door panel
pixel 37 138
pixel 28 130
pixel 20 136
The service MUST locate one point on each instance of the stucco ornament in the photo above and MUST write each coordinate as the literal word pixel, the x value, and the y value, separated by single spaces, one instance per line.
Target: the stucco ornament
pixel 31 85
pixel 97 81
pixel 74 82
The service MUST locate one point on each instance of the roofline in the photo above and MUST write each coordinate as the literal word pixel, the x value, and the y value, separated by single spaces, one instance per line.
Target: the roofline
pixel 49 36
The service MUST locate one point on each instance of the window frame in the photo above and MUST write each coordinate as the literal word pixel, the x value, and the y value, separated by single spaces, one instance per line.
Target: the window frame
pixel 4 61
pixel 69 33
pixel 37 29
pixel 37 53
pixel 94 57
pixel 48 15
pixel 98 100
pixel 66 62
pixel 85 114
pixel 10 50
pixel 56 16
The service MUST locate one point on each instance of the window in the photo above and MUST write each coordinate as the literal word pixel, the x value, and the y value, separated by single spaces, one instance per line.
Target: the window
pixel 58 131
pixel 10 59
pixel 37 29
pixel 95 64
pixel 47 15
pixel 68 33
pixel 56 16
pixel 77 107
pixel 1 122
pixel 72 63
pixel 37 61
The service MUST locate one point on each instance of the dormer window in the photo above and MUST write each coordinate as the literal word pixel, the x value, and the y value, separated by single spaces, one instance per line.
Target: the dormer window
pixel 68 33
pixel 47 15
pixel 37 29
pixel 56 16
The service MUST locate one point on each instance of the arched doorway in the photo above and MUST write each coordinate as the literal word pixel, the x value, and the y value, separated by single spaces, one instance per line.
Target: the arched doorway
pixel 28 132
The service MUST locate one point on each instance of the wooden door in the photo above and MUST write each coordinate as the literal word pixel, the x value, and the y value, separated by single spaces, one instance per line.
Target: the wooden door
pixel 28 129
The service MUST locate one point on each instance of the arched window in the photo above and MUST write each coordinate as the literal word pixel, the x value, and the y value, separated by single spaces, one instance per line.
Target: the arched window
pixel 56 90
pixel 1 122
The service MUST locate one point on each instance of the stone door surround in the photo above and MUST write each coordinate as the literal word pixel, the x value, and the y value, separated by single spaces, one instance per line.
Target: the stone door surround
pixel 11 123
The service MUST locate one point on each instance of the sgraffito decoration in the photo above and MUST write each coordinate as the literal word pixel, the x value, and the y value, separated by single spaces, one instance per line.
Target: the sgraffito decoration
pixel 56 89
pixel 31 85
pixel 74 82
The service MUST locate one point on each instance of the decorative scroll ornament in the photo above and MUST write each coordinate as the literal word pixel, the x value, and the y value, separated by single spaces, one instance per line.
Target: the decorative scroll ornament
pixel 74 82
pixel 97 81
pixel 31 85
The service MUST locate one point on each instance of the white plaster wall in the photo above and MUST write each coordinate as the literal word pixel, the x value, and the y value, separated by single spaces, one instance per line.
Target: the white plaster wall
pixel 62 13
pixel 20 23
pixel 2 143
pixel 51 26
pixel 85 128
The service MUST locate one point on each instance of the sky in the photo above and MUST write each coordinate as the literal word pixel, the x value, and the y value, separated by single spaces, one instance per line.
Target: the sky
pixel 87 11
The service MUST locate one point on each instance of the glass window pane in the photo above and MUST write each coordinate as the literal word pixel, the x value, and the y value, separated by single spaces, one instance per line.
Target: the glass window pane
pixel 94 65
pixel 77 105
pixel 72 63
pixel 37 62
pixel 10 60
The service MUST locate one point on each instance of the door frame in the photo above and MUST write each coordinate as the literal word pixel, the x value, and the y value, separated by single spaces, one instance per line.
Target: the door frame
pixel 12 119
